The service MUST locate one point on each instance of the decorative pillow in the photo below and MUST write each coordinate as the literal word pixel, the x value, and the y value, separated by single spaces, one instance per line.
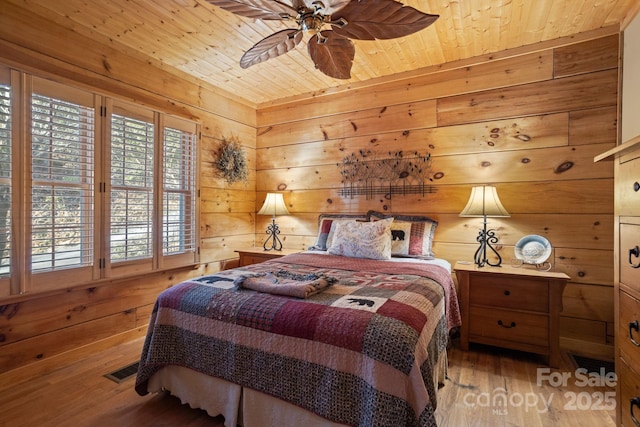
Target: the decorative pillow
pixel 415 232
pixel 400 238
pixel 363 239
pixel 326 228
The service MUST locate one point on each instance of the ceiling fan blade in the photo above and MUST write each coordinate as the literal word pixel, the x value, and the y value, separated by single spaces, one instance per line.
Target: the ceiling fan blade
pixel 381 19
pixel 260 9
pixel 270 47
pixel 334 56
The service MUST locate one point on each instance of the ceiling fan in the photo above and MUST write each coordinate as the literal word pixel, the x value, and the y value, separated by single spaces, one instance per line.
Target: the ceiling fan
pixel 331 50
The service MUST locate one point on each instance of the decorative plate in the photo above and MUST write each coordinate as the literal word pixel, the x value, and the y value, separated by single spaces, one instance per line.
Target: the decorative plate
pixel 533 249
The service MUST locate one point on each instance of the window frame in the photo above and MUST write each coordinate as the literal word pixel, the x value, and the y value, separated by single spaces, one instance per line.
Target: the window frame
pixel 56 278
pixel 7 77
pixel 173 260
pixel 137 265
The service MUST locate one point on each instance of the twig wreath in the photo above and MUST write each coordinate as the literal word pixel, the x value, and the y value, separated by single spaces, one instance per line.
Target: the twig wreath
pixel 232 161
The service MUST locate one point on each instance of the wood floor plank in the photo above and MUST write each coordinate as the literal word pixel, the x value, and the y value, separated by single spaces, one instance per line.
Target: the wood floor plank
pixel 486 386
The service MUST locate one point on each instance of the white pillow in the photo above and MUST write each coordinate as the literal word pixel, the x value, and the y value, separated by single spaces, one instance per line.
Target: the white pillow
pixel 326 228
pixel 362 239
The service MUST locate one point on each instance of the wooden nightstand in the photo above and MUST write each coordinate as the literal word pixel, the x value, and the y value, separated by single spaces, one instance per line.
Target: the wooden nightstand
pixel 255 255
pixel 516 308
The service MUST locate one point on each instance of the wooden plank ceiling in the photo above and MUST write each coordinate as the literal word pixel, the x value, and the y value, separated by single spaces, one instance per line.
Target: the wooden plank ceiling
pixel 207 42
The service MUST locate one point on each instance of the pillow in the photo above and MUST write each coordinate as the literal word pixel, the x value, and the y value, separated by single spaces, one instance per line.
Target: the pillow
pixel 326 227
pixel 362 239
pixel 412 236
pixel 400 233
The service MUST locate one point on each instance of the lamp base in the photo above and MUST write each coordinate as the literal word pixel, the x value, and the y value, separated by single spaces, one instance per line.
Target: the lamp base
pixel 486 238
pixel 272 232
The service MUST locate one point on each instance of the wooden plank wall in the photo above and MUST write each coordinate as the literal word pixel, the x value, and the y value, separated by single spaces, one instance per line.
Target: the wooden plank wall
pixel 43 331
pixel 530 124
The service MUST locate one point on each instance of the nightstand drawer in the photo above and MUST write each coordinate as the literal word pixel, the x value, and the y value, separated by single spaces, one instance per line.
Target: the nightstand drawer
pixel 630 255
pixel 629 314
pixel 508 292
pixel 509 326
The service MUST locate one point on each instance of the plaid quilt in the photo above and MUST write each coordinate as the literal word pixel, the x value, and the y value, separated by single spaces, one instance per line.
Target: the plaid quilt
pixel 362 352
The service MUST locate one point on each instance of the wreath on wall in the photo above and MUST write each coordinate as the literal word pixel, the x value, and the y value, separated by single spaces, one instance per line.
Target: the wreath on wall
pixel 232 161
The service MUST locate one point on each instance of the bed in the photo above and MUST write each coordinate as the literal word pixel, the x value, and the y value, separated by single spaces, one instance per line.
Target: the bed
pixel 348 341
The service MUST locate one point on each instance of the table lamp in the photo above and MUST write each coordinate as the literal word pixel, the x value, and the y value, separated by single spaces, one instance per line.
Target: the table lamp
pixel 273 205
pixel 484 202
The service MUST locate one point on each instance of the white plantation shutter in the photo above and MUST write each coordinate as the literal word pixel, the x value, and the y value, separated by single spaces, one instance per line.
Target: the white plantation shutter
pixel 179 201
pixel 5 179
pixel 62 163
pixel 132 162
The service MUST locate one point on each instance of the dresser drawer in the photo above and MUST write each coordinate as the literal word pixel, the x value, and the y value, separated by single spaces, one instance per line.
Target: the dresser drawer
pixel 628 188
pixel 629 314
pixel 630 255
pixel 629 389
pixel 509 325
pixel 510 292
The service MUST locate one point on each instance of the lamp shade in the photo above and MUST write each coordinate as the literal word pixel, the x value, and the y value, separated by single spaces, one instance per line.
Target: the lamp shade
pixel 484 201
pixel 273 205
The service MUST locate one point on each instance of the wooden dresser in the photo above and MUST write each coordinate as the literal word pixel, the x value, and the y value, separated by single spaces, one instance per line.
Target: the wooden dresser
pixel 626 246
pixel 255 255
pixel 511 307
pixel 627 279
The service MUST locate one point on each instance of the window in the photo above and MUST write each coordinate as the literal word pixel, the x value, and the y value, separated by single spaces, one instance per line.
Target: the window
pixel 5 177
pixel 60 194
pixel 132 160
pixel 152 189
pixel 62 159
pixel 178 197
pixel 110 190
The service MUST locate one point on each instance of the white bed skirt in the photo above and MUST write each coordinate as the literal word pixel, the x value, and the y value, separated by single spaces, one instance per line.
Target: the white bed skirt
pixel 243 407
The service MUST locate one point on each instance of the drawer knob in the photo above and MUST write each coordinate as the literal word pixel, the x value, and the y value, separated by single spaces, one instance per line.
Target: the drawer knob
pixel 634 252
pixel 512 325
pixel 635 401
pixel 633 326
pixel 507 293
pixel 636 186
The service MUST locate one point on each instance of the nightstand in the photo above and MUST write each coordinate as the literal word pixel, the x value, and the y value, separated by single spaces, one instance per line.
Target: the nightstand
pixel 255 255
pixel 510 307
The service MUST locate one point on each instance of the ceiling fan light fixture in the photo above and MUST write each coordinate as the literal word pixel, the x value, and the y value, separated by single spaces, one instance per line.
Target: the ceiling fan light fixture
pixel 311 22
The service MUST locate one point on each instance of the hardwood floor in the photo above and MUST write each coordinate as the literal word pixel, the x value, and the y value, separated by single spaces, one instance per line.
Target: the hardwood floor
pixel 479 380
pixel 482 379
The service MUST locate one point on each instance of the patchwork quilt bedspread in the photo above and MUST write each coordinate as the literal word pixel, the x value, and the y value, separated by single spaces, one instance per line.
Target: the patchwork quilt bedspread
pixel 361 352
